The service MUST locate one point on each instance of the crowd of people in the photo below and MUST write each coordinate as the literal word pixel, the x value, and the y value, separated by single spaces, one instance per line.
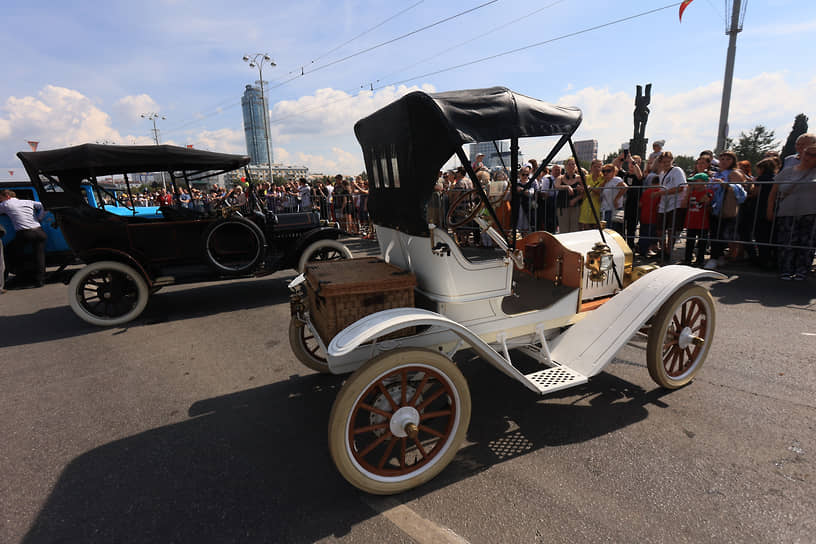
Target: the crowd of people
pixel 345 200
pixel 726 209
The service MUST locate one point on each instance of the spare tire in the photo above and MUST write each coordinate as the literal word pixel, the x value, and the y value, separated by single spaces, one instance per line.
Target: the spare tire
pixel 234 246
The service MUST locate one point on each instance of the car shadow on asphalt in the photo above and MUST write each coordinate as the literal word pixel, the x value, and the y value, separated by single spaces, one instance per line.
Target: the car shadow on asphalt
pixel 254 465
pixel 765 290
pixel 183 302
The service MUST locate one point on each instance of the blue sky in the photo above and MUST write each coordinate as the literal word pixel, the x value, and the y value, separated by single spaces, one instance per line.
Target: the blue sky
pixel 84 71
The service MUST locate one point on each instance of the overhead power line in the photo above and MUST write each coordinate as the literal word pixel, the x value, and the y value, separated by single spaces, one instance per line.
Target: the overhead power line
pixel 490 57
pixel 363 33
pixel 382 44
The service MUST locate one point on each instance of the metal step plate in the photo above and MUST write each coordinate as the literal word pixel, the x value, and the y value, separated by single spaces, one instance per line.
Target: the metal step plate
pixel 555 379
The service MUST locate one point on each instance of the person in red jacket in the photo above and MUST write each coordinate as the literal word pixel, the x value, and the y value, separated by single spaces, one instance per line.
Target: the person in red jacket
pixel 697 217
pixel 648 204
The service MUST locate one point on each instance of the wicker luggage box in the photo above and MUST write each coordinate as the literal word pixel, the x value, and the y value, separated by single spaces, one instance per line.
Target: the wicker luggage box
pixel 341 292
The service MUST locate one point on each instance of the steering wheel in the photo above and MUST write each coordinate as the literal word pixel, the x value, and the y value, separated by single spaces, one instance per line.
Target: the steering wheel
pixel 464 208
pixel 468 204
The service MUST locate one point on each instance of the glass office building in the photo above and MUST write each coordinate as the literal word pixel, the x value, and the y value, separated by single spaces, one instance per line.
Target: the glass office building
pixel 259 148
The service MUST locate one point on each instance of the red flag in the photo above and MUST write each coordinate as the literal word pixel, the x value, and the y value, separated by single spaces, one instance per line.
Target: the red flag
pixel 33 145
pixel 683 7
pixel 189 146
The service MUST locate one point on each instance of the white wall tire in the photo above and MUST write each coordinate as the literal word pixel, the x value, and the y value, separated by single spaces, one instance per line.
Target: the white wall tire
pixel 323 250
pixel 306 348
pixel 674 352
pixel 368 440
pixel 107 293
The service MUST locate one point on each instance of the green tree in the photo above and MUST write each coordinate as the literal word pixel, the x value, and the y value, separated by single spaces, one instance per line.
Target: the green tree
pixel 752 146
pixel 686 162
pixel 800 126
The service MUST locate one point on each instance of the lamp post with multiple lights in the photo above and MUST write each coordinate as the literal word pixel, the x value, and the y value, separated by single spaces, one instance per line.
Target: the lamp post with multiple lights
pixel 257 60
pixel 152 116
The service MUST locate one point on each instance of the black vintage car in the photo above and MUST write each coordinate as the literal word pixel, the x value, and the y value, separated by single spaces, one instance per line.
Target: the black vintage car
pixel 128 257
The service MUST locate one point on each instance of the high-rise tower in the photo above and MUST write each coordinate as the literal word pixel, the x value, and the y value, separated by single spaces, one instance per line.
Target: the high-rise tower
pixel 259 148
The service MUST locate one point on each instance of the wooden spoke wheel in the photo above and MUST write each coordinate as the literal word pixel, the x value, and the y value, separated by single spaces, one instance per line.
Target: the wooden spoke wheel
pixel 306 347
pixel 680 337
pixel 399 420
pixel 463 208
pixel 107 293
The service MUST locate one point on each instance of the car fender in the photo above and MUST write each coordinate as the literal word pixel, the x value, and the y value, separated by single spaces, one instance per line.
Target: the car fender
pixel 387 321
pixel 110 254
pixel 311 236
pixel 318 233
pixel 589 345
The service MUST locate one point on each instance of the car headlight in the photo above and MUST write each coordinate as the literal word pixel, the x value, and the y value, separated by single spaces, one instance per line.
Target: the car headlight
pixel 599 261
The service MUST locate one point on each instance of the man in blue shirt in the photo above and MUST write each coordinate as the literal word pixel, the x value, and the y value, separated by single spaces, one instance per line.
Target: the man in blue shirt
pixel 25 216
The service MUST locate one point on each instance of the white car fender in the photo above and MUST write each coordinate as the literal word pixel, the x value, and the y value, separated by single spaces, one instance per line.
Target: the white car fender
pixel 387 321
pixel 589 345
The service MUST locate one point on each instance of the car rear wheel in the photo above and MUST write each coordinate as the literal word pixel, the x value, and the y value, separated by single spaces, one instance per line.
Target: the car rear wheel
pixel 306 347
pixel 323 250
pixel 107 293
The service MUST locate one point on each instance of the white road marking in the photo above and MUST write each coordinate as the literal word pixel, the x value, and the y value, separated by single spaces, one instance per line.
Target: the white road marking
pixel 420 529
pixel 809 333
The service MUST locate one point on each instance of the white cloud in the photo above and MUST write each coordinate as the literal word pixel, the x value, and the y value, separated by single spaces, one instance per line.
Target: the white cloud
pixel 131 107
pixel 688 119
pixel 223 140
pixel 339 162
pixel 56 117
pixel 330 112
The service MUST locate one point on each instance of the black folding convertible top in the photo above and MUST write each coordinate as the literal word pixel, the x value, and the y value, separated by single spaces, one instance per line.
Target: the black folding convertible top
pixel 407 142
pixel 88 160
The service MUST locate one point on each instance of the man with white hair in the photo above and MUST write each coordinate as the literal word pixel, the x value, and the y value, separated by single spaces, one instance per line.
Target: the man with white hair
pixel 802 142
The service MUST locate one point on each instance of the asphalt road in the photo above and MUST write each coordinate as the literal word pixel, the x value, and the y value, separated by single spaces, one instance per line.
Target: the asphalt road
pixel 196 424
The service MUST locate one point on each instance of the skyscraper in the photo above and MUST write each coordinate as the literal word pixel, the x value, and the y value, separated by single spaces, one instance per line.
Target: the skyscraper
pixel 259 148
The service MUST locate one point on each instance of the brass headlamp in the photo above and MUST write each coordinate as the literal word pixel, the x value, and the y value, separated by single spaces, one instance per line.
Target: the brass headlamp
pixel 599 262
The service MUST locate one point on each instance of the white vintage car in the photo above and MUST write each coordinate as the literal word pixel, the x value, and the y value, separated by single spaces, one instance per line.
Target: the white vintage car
pixel 570 301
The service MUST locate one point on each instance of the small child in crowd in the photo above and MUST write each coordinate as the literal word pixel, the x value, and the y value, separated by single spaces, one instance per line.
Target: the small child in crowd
pixel 648 204
pixel 697 217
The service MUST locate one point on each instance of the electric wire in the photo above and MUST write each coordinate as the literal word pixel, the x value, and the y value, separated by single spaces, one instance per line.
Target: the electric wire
pixel 366 50
pixel 479 60
pixel 382 44
pixel 487 58
pixel 466 42
pixel 363 33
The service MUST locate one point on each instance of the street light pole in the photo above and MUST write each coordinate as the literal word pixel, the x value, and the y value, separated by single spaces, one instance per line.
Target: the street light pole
pixel 152 116
pixel 257 60
pixel 736 28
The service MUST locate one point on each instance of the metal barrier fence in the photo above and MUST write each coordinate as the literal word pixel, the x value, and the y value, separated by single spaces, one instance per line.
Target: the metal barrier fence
pixel 694 223
pixel 704 220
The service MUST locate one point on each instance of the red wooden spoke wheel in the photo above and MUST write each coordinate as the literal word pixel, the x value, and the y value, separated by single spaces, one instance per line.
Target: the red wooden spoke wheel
pixel 680 337
pixel 398 421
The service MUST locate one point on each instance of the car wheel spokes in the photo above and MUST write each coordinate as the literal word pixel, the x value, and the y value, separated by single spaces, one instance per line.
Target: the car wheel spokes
pixel 689 320
pixel 379 417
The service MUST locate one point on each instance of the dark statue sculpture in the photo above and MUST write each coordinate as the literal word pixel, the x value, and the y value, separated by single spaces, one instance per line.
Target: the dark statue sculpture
pixel 637 145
